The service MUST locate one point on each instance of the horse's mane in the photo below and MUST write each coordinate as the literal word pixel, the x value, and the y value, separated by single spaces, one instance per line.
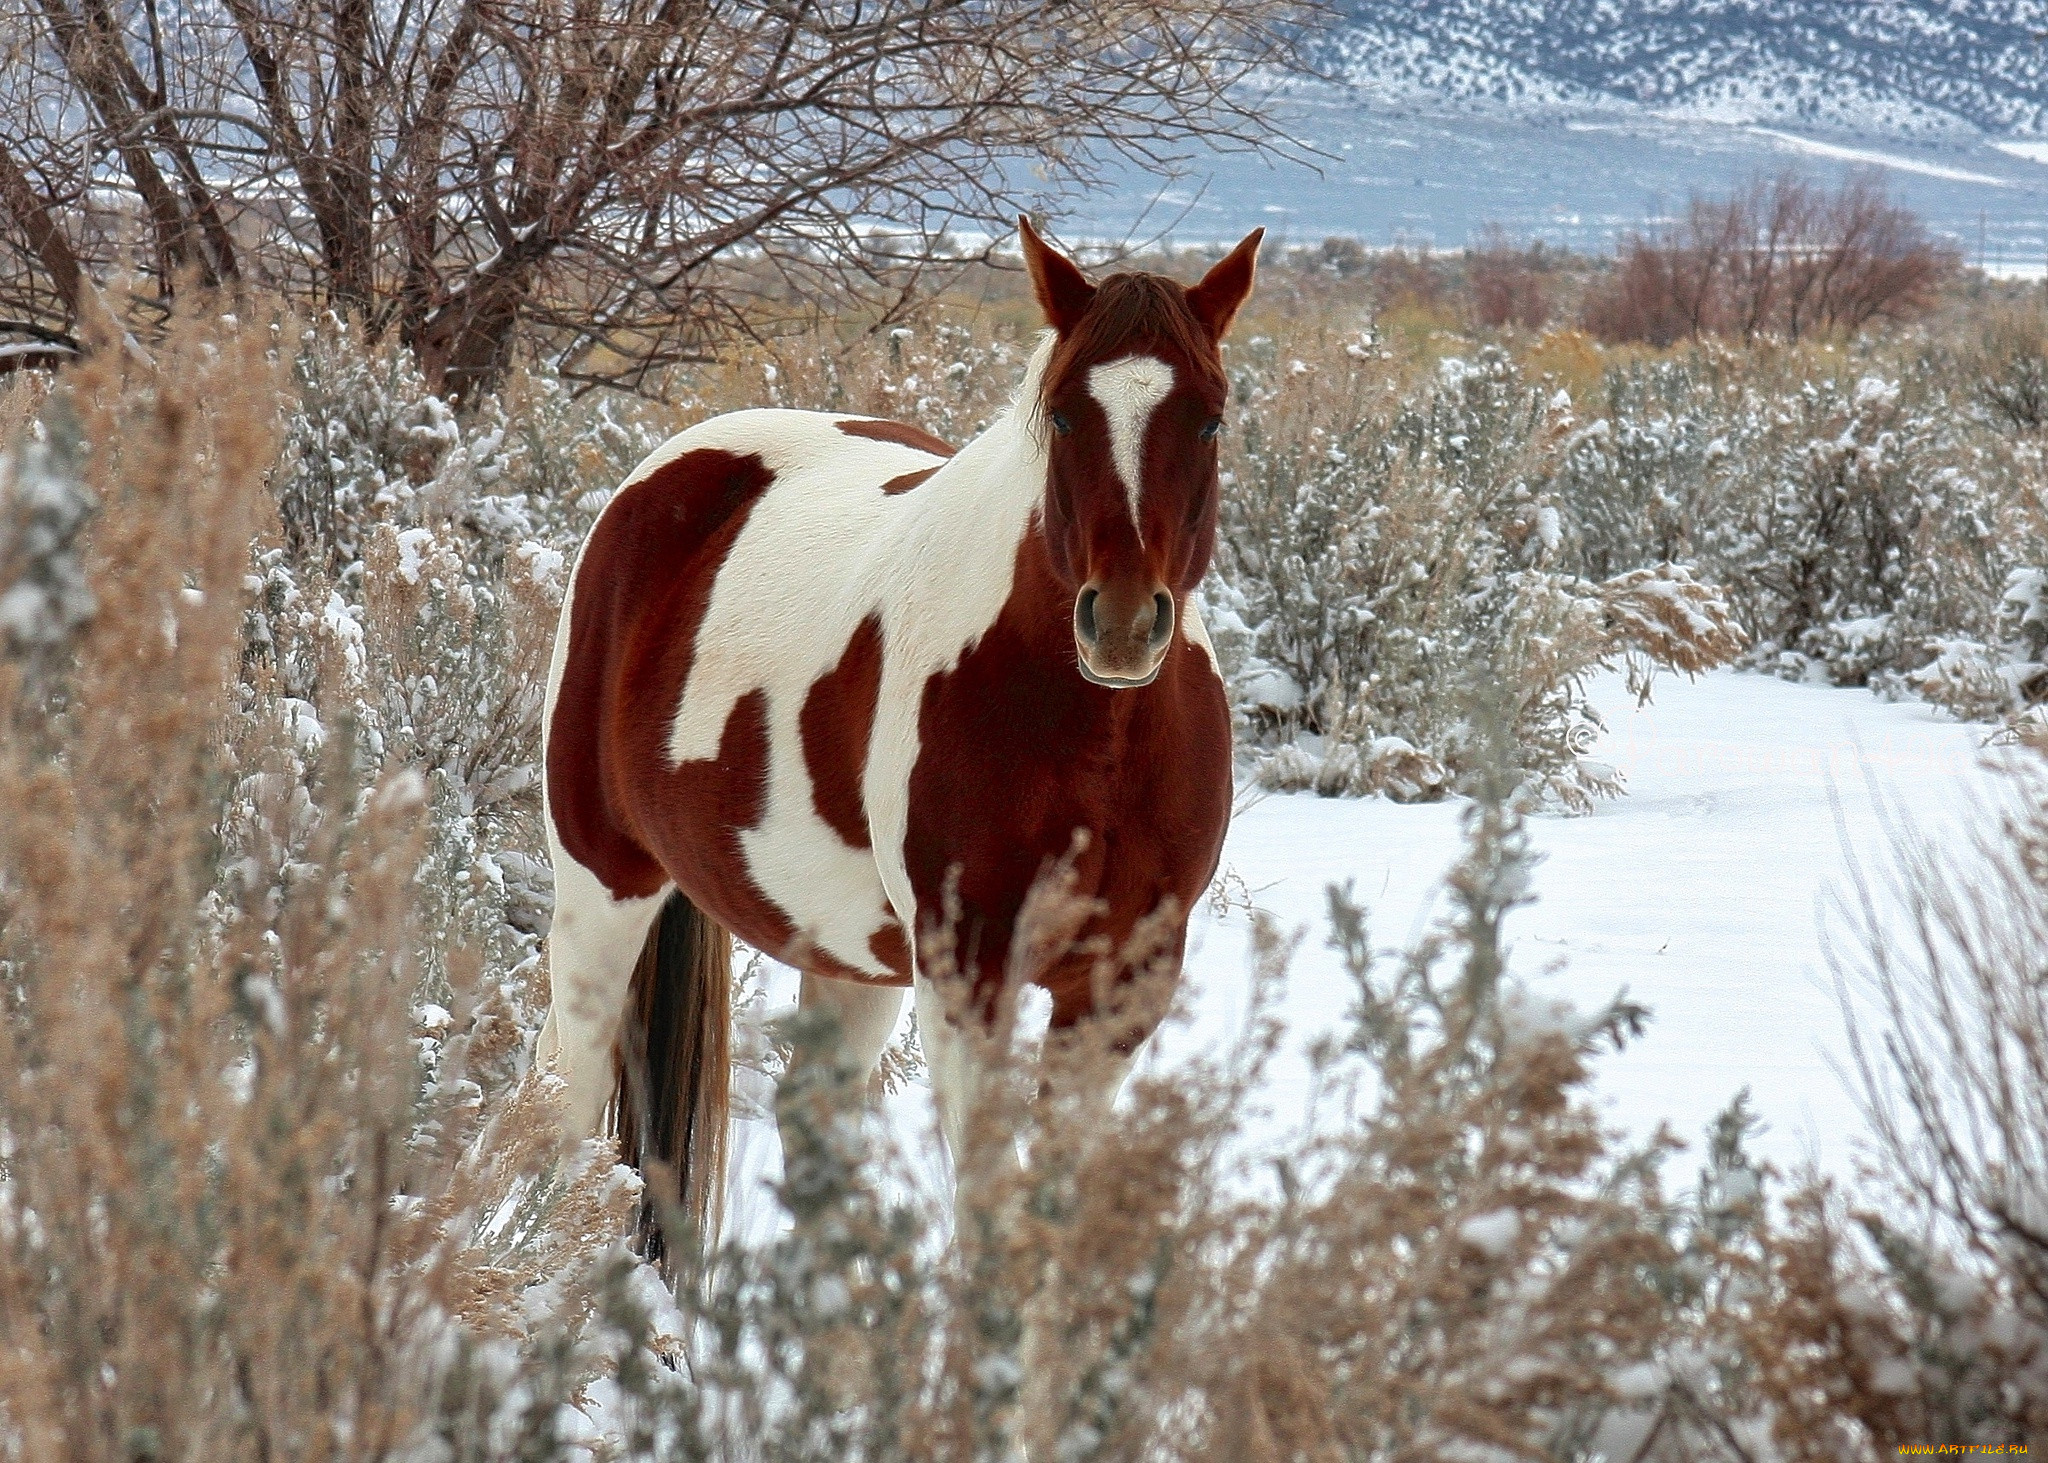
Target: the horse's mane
pixel 1130 312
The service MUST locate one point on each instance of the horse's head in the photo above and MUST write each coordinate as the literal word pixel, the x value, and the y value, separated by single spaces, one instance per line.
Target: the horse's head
pixel 1132 403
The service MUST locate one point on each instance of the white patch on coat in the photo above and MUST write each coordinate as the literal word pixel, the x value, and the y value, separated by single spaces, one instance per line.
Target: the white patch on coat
pixel 1129 391
pixel 1198 633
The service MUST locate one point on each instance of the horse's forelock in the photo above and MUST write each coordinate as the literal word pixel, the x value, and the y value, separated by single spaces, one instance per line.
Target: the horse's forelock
pixel 1131 311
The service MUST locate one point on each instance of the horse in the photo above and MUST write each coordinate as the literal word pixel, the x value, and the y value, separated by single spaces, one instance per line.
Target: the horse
pixel 824 683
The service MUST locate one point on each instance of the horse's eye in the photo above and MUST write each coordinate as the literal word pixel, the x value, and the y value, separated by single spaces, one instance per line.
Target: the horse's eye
pixel 1210 428
pixel 1061 425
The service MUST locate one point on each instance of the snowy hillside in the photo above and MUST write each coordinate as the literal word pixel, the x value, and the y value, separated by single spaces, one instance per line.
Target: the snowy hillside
pixel 1909 65
pixel 1574 121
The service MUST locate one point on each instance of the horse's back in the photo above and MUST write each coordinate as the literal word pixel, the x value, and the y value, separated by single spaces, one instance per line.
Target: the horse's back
pixel 703 623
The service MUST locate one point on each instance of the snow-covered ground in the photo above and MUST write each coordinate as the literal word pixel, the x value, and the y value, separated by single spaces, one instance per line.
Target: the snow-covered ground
pixel 1705 891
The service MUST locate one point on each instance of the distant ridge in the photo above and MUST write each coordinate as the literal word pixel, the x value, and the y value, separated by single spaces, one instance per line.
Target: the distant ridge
pixel 1861 66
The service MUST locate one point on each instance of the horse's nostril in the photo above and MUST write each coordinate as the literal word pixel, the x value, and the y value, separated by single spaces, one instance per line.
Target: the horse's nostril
pixel 1084 617
pixel 1162 622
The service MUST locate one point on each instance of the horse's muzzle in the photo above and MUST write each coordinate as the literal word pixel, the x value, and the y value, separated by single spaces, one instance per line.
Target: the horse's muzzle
pixel 1121 633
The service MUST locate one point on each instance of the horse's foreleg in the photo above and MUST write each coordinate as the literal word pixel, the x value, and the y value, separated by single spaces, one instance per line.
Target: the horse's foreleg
pixel 593 946
pixel 954 1063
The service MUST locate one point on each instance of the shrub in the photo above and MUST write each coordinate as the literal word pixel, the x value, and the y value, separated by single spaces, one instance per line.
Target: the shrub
pixel 2005 359
pixel 251 1198
pixel 1369 537
pixel 1507 283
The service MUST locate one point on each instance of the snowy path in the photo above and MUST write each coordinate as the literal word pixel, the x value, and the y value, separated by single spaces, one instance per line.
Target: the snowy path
pixel 1702 891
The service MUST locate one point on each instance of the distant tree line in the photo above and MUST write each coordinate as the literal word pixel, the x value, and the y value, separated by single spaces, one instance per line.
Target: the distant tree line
pixel 1781 258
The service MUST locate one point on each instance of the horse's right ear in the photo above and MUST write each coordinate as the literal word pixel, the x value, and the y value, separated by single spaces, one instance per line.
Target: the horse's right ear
pixel 1063 292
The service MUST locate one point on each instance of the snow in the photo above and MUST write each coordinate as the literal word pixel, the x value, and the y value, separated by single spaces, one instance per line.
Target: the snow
pixel 1867 156
pixel 1493 1233
pixel 414 545
pixel 1703 891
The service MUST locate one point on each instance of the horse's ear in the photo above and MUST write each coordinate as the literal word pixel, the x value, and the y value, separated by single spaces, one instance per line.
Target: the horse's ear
pixel 1225 287
pixel 1063 292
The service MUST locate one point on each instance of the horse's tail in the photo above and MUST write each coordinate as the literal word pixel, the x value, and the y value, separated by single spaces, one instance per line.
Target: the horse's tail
pixel 674 1060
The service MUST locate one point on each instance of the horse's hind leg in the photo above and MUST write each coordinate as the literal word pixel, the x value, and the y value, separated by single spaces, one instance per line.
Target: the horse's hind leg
pixel 866 1017
pixel 593 946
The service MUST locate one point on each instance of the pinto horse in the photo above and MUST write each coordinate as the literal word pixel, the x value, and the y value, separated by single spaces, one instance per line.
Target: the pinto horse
pixel 827 684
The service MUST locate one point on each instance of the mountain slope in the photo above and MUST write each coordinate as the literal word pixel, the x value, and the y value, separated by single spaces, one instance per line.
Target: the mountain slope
pixel 1859 65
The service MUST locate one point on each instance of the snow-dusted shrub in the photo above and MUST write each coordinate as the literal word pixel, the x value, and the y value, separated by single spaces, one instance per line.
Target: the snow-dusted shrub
pixel 1861 514
pixel 2002 680
pixel 1921 1312
pixel 363 434
pixel 1380 546
pixel 367 443
pixel 244 1210
pixel 1641 479
pixel 2003 357
pixel 44 597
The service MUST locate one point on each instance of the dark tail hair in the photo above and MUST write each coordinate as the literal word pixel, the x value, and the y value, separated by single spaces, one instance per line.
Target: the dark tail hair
pixel 674 1060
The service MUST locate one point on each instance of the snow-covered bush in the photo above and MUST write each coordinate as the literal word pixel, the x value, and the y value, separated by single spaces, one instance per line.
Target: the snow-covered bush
pixel 1864 515
pixel 44 598
pixel 1379 547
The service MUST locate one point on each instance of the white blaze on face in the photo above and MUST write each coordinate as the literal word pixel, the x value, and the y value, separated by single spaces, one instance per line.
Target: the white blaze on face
pixel 1129 390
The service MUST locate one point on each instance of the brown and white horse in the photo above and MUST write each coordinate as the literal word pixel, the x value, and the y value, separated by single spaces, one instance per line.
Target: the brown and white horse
pixel 812 669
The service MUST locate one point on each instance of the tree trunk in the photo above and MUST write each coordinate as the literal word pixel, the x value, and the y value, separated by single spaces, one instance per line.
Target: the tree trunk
pixel 20 198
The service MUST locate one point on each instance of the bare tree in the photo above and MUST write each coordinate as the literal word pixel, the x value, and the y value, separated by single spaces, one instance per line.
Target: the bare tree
pixel 1780 257
pixel 632 177
pixel 1506 280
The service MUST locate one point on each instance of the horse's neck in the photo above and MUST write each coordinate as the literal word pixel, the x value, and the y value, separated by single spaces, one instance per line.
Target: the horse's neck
pixel 975 520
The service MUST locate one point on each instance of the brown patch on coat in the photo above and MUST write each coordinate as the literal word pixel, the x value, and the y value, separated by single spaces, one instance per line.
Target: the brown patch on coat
pixel 1018 752
pixel 902 434
pixel 837 719
pixel 836 724
pixel 641 587
pixel 907 481
pixel 889 946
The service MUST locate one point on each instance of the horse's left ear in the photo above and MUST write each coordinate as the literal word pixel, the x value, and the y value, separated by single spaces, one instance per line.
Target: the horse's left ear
pixel 1225 287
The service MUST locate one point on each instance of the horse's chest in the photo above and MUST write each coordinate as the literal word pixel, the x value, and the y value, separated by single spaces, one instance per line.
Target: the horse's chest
pixel 1007 784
